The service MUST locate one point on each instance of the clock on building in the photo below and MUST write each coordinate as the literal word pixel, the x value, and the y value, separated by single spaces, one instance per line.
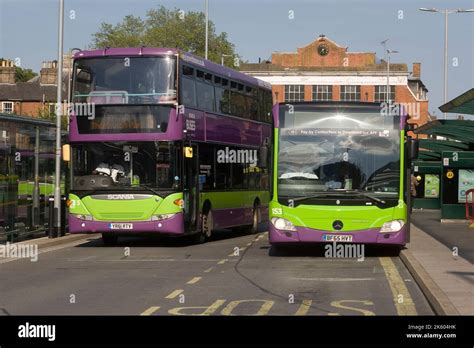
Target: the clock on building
pixel 323 50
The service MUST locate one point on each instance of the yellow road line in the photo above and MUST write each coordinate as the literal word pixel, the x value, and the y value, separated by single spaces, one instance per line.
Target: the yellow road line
pixel 150 310
pixel 194 280
pixel 264 308
pixel 222 261
pixel 304 308
pixel 209 269
pixel 175 293
pixel 402 298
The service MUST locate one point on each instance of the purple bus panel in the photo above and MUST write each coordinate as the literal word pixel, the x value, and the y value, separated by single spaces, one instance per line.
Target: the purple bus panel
pixel 305 234
pixel 172 226
pixel 201 126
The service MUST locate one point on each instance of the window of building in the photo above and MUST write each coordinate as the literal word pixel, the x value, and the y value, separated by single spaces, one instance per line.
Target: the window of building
pixel 381 93
pixel 7 107
pixel 350 93
pixel 294 93
pixel 322 92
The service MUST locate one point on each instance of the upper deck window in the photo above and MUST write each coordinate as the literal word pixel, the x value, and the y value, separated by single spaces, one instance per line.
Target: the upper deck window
pixel 124 80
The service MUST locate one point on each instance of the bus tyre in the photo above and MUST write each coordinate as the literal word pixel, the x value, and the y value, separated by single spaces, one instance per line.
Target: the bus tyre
pixel 256 217
pixel 109 239
pixel 207 224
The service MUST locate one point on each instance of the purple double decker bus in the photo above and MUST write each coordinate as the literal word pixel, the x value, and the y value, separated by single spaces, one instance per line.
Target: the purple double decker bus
pixel 163 141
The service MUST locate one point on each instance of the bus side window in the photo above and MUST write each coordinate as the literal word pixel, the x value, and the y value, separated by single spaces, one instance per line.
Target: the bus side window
pixel 223 175
pixel 188 92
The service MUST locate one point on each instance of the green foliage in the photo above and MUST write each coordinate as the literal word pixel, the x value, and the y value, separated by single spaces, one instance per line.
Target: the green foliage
pixel 44 112
pixel 23 75
pixel 167 28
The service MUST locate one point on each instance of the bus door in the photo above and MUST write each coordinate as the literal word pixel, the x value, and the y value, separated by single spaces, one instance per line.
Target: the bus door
pixel 191 188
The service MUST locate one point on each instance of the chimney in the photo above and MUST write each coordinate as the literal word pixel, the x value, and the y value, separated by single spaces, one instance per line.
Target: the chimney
pixel 7 72
pixel 416 70
pixel 48 73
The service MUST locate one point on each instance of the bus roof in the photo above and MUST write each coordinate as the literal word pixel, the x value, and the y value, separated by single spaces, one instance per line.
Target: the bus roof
pixel 186 56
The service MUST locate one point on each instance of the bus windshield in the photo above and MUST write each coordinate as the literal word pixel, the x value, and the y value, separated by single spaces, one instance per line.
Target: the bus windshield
pixel 122 165
pixel 332 149
pixel 124 80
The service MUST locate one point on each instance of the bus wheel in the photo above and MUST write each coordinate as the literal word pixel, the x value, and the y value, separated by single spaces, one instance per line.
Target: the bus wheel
pixel 109 239
pixel 253 228
pixel 207 224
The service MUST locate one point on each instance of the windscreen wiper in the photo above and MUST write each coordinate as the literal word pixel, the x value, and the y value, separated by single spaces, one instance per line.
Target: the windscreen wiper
pixel 151 190
pixel 317 195
pixel 338 191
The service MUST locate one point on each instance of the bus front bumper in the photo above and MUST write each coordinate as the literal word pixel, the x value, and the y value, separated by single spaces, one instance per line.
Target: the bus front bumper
pixel 309 235
pixel 173 226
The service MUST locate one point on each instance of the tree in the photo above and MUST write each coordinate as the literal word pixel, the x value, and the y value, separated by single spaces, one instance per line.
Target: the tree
pixel 23 75
pixel 167 28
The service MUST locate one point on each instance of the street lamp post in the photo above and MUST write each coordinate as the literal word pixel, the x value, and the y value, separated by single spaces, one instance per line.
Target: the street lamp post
pixel 446 12
pixel 57 177
pixel 207 28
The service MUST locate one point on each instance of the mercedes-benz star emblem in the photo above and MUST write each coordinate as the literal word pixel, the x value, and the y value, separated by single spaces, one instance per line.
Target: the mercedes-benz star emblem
pixel 337 225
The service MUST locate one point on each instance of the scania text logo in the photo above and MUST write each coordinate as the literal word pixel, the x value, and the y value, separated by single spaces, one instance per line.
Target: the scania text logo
pixel 121 196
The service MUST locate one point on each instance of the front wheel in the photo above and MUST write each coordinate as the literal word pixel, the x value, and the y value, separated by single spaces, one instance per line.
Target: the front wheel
pixel 207 224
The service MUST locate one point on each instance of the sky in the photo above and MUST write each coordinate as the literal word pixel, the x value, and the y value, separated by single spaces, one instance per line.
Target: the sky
pixel 28 30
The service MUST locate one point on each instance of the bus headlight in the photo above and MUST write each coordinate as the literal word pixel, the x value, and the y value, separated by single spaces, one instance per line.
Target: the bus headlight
pixel 83 216
pixel 160 217
pixel 392 226
pixel 283 224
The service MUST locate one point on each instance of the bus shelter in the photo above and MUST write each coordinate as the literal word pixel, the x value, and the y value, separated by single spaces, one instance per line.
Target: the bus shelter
pixel 27 165
pixel 446 160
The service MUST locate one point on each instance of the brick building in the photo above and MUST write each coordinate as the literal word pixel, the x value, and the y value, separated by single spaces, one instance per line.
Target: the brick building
pixel 324 70
pixel 34 97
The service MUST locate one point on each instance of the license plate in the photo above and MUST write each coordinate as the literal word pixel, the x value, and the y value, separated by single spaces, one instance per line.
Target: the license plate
pixel 337 238
pixel 121 226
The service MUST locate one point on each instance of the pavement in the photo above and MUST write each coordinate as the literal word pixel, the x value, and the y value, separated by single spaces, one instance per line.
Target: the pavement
pixel 441 258
pixel 450 234
pixel 233 274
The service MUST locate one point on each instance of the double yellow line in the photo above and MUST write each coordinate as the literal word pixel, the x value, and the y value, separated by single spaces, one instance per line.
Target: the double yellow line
pixel 401 296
